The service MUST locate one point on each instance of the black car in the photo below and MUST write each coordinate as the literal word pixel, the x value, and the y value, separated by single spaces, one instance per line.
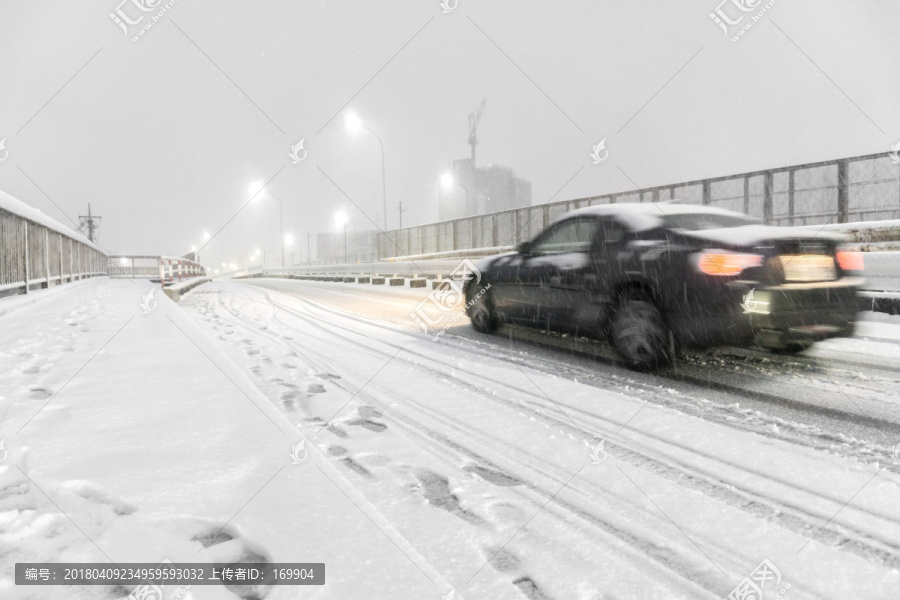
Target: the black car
pixel 655 277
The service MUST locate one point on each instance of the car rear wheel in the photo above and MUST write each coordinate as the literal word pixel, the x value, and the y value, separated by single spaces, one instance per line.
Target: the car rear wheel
pixel 484 318
pixel 791 348
pixel 640 336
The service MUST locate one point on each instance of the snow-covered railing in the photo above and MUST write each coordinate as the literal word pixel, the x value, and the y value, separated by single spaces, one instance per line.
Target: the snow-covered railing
pixel 165 269
pixel 37 251
pixel 858 188
pixel 419 268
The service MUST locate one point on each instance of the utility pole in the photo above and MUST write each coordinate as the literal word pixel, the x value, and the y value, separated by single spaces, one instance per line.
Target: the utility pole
pixel 308 255
pixel 89 222
pixel 401 211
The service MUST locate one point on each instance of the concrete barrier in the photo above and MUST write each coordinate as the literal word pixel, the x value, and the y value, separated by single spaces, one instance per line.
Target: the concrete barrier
pixel 397 281
pixel 417 283
pixel 175 292
pixel 884 302
pixel 349 279
pixel 378 281
pixel 363 280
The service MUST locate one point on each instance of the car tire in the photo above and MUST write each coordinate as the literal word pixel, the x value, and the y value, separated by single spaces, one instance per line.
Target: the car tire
pixel 640 336
pixel 791 348
pixel 484 317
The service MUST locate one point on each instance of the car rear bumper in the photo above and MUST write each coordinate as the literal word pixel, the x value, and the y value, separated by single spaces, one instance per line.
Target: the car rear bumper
pixel 800 313
pixel 773 316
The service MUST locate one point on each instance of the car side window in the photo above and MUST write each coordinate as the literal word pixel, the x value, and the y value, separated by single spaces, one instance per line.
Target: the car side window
pixel 575 235
pixel 606 234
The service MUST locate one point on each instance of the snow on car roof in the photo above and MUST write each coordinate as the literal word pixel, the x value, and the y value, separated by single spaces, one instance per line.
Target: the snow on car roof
pixel 647 215
pixel 746 234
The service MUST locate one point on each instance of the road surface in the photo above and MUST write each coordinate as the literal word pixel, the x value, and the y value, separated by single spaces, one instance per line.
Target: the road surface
pixel 534 459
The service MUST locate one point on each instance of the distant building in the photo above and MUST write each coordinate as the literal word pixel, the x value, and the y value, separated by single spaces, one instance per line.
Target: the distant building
pixel 482 190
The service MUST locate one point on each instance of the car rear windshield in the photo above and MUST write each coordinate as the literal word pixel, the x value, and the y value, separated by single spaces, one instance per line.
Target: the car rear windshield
pixel 703 221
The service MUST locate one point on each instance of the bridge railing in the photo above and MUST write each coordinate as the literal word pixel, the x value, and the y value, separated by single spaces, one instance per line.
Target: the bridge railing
pixel 861 188
pixel 37 251
pixel 165 269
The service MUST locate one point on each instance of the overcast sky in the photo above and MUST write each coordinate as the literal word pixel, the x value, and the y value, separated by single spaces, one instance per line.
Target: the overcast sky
pixel 163 136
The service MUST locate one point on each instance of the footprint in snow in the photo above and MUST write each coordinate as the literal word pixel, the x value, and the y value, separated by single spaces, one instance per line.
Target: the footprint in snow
pixel 370 425
pixel 291 396
pixel 505 513
pixel 368 412
pixel 530 589
pixel 230 549
pixel 502 559
pixel 337 431
pixel 491 476
pixel 355 467
pixel 39 393
pixel 436 490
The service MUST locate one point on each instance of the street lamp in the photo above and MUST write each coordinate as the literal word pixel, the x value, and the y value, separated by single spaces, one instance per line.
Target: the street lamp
pixel 354 124
pixel 255 189
pixel 448 181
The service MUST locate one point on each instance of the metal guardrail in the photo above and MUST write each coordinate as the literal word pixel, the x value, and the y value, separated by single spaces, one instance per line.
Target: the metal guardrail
pixel 37 251
pixel 420 268
pixel 860 188
pixel 165 269
pixel 882 270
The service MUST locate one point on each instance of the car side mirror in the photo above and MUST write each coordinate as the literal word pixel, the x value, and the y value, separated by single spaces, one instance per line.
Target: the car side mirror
pixel 524 248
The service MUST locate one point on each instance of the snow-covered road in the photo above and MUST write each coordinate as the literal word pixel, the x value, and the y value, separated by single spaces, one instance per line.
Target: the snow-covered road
pixel 529 465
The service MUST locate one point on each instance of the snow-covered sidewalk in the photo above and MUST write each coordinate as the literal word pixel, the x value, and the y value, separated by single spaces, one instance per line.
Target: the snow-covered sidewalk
pixel 131 437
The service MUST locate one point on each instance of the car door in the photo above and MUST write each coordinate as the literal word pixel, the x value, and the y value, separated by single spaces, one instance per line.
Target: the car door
pixel 506 286
pixel 549 271
pixel 580 290
pixel 592 291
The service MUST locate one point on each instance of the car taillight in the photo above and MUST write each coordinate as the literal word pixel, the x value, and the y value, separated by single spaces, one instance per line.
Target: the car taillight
pixel 722 263
pixel 850 260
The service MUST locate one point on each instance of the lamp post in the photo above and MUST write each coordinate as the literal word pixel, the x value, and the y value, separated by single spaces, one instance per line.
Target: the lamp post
pixel 288 240
pixel 448 181
pixel 340 218
pixel 255 189
pixel 354 123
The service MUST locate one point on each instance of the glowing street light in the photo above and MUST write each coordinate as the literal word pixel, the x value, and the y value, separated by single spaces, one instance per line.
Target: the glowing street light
pixel 448 181
pixel 355 124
